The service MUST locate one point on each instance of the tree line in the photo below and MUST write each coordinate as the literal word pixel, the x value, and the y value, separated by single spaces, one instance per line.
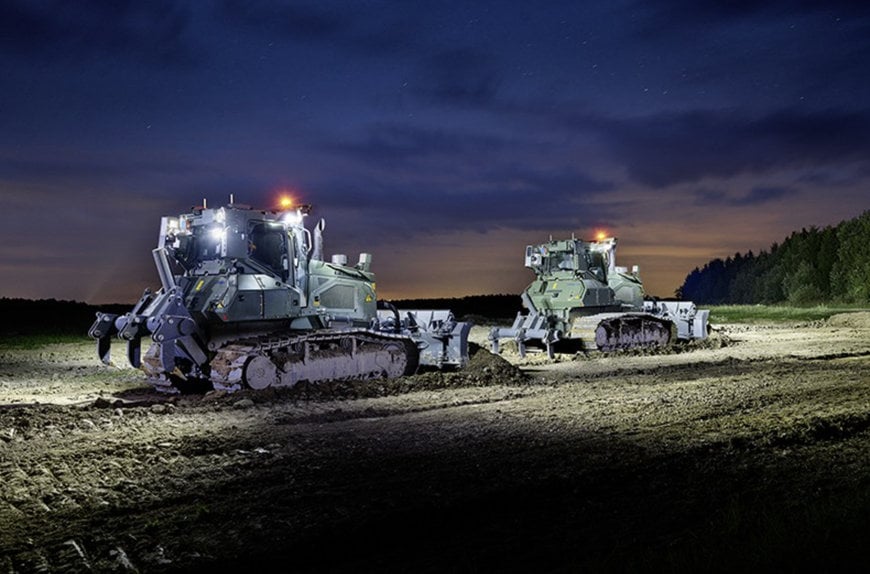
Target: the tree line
pixel 811 266
pixel 49 316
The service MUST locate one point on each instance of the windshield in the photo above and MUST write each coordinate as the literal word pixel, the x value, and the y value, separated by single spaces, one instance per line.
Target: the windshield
pixel 268 246
pixel 203 244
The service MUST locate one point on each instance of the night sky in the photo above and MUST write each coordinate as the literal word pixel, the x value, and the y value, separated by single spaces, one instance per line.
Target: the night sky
pixel 440 136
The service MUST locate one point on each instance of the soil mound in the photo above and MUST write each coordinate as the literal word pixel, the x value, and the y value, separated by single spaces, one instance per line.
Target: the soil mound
pixel 483 369
pixel 483 364
pixel 856 320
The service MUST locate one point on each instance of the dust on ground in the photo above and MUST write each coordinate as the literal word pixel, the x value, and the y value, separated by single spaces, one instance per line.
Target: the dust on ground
pixel 749 451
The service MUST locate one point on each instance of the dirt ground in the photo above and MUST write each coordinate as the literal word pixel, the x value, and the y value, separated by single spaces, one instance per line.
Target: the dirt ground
pixel 750 451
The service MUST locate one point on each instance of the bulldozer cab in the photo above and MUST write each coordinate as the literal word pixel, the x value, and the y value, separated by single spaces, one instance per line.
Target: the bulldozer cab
pixel 570 256
pixel 210 241
pixel 544 259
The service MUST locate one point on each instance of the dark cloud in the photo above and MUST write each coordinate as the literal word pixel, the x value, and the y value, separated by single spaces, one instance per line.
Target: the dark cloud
pixel 687 12
pixel 110 172
pixel 519 198
pixel 460 76
pixel 827 177
pixel 392 143
pixel 460 180
pixel 342 25
pixel 749 55
pixel 667 149
pixel 761 195
pixel 297 21
pixel 153 32
pixel 755 197
pixel 464 75
pixel 43 169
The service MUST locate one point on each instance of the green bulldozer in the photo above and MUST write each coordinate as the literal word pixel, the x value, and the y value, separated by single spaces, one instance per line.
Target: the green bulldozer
pixel 248 300
pixel 581 298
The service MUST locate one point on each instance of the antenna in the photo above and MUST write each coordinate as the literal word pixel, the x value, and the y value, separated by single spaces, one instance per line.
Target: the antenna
pixel 204 203
pixel 231 199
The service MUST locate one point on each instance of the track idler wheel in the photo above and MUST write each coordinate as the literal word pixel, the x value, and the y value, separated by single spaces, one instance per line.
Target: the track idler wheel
pixel 260 372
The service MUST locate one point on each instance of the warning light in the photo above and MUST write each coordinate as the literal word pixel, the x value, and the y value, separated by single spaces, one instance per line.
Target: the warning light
pixel 600 235
pixel 286 202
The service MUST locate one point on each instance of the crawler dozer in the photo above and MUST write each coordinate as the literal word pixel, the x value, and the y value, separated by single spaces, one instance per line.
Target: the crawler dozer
pixel 248 300
pixel 580 298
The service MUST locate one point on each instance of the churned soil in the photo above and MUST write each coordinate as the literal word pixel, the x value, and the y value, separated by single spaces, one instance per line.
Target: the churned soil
pixel 748 451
